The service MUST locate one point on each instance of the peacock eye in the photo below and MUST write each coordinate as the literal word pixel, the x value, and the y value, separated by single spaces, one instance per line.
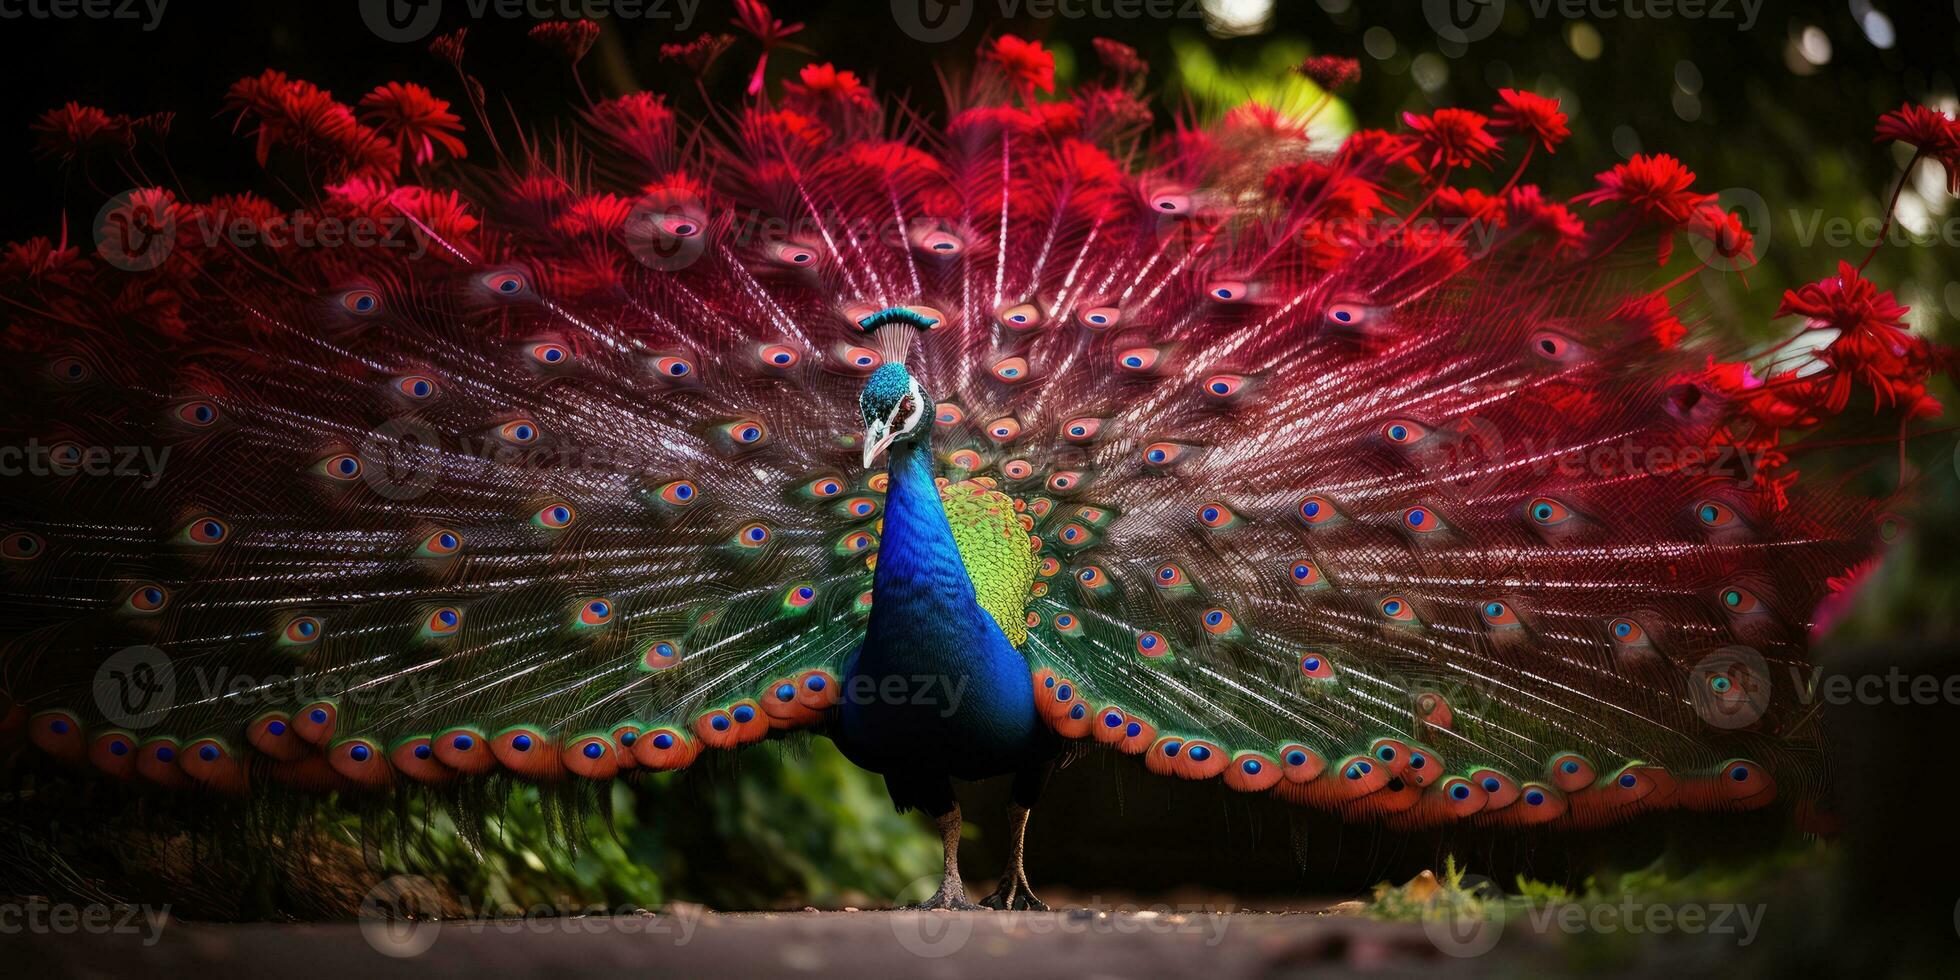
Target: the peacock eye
pixel 1081 430
pixel 1347 315
pixel 206 530
pixel 1421 520
pixel 360 301
pixel 1498 615
pixel 22 546
pixel 1398 609
pixel 861 358
pixel 70 370
pixel 1025 316
pixel 1224 386
pixel 938 242
pixel 1554 346
pixel 1737 599
pixel 1138 360
pixel 1228 290
pixel 1304 573
pixel 518 432
pixel 1170 576
pixel 1092 577
pixel 1547 512
pixel 1626 632
pixel 1012 369
pixel 555 516
pixel 198 413
pixel 965 459
pixel 1004 429
pixel 1162 453
pixel 302 630
pixel 1099 317
pixel 753 535
pixel 504 283
pixel 680 493
pixel 795 255
pixel 415 386
pixel 1064 481
pixel 860 507
pixel 595 612
pixel 344 467
pixel 1316 510
pixel 1171 202
pixel 146 598
pixel 680 225
pixel 440 544
pixel 671 366
pixel 946 415
pixel 1217 621
pixel 444 622
pixel 1402 432
pixel 826 487
pixel 1316 666
pixel 550 355
pixel 779 356
pixel 1217 516
pixel 746 432
pixel 1713 514
pixel 1017 469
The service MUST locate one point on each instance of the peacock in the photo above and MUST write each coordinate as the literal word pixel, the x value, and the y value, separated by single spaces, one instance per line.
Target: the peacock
pixel 1355 471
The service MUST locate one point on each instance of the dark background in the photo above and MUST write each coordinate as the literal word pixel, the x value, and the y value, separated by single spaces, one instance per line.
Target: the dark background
pixel 1744 108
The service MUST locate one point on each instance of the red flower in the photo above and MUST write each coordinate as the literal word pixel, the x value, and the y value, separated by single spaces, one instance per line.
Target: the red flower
pixel 1724 230
pixel 1025 63
pixel 640 122
pixel 1336 194
pixel 75 130
pixel 1372 153
pixel 1471 205
pixel 1656 185
pixel 35 258
pixel 299 114
pixel 1531 115
pixel 571 38
pixel 1929 131
pixel 754 16
pixel 699 53
pixel 1652 315
pixel 1526 209
pixel 1329 72
pixel 1872 344
pixel 414 119
pixel 824 84
pixel 1453 137
pixel 449 47
pixel 1119 57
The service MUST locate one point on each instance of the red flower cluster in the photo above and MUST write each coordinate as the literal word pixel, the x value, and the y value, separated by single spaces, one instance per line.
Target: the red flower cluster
pixel 449 47
pixel 300 115
pixel 1530 115
pixel 641 122
pixel 1119 57
pixel 1931 132
pixel 1026 64
pixel 699 53
pixel 1330 72
pixel 823 85
pixel 571 38
pixel 1453 137
pixel 1654 316
pixel 75 130
pixel 414 119
pixel 1872 344
pixel 1526 209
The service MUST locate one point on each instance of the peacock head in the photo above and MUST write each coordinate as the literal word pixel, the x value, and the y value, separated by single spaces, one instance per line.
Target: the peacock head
pixel 894 409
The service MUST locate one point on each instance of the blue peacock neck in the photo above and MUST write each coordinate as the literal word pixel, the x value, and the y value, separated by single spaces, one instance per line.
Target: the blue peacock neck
pixel 920 591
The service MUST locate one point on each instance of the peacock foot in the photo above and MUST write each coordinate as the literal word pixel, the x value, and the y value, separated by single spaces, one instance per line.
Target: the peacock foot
pixel 1013 895
pixel 951 897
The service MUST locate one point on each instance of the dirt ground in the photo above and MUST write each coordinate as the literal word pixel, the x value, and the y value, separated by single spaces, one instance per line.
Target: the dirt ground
pixel 688 942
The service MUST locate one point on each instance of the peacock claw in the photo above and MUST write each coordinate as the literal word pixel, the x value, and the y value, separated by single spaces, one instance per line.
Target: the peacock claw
pixel 1013 895
pixel 943 901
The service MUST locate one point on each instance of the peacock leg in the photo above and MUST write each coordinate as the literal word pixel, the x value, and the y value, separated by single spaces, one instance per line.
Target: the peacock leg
pixel 1014 892
pixel 952 891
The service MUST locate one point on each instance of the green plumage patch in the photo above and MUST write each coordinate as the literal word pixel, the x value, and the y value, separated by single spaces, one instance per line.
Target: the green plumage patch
pixel 994 548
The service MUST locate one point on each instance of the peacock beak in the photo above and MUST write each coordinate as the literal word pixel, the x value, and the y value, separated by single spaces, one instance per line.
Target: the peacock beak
pixel 877 438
